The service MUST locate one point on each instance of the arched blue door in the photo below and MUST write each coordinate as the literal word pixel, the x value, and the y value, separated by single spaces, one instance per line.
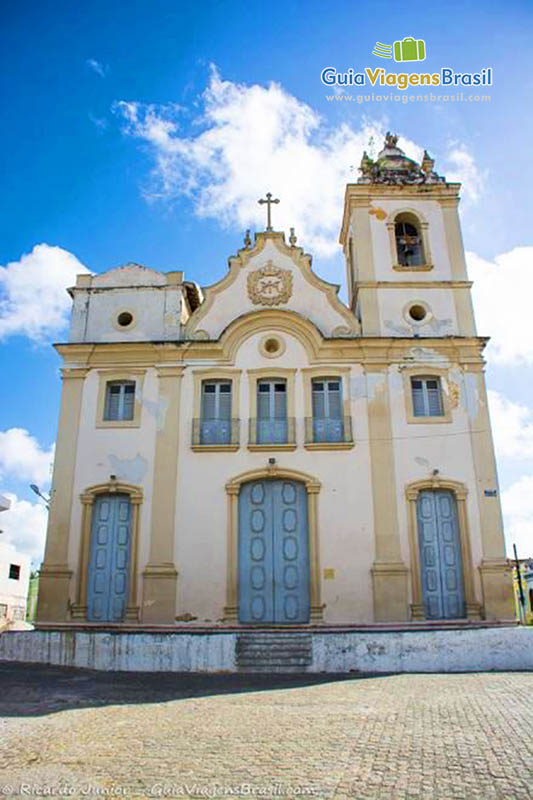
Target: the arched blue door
pixel 273 553
pixel 440 555
pixel 109 563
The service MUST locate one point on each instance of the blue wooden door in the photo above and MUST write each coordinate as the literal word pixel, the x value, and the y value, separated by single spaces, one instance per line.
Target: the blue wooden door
pixel 109 563
pixel 440 555
pixel 273 553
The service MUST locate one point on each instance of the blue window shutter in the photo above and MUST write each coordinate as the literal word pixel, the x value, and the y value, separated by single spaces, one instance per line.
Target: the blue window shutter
pixel 434 398
pixel 427 397
pixel 215 427
pixel 120 401
pixel 128 405
pixel 417 389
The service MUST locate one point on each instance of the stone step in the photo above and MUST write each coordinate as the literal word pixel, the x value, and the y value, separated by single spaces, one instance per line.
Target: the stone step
pixel 245 640
pixel 263 652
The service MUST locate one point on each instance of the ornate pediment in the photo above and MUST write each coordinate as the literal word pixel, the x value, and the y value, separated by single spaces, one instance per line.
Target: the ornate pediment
pixel 271 275
pixel 269 285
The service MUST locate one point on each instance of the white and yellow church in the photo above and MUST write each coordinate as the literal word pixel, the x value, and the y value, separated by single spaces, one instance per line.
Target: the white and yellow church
pixel 258 453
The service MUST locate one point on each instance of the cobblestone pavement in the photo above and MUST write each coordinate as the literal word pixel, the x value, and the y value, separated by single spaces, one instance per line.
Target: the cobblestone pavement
pixel 68 733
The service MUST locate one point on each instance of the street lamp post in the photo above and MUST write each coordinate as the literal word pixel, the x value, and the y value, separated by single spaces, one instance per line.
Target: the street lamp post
pixel 38 492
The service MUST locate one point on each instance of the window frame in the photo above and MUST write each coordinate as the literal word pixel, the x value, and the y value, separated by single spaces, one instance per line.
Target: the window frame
pixel 271 373
pixel 429 372
pixel 212 375
pixel 107 376
pixel 424 381
pixel 18 569
pixel 342 374
pixel 122 386
pixel 423 226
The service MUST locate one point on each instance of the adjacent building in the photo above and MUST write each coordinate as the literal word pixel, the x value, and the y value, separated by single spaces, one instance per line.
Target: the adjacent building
pixel 14 582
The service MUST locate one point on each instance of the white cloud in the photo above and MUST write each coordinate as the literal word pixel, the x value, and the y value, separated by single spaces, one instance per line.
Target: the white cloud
pixel 98 67
pixel 24 526
pixel 512 427
pixel 33 297
pixel 248 140
pixel 502 299
pixel 22 457
pixel 100 123
pixel 465 170
pixel 517 504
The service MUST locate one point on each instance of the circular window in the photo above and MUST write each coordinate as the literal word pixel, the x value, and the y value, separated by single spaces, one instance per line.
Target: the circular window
pixel 124 319
pixel 417 312
pixel 272 346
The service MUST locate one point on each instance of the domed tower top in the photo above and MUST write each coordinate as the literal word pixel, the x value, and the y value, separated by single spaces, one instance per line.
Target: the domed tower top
pixel 392 166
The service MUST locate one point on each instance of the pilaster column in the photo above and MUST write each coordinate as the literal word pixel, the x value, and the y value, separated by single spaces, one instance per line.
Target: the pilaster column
pixel 55 574
pixel 389 573
pixel 496 576
pixel 366 271
pixel 160 574
pixel 466 325
pixel 315 587
pixel 231 610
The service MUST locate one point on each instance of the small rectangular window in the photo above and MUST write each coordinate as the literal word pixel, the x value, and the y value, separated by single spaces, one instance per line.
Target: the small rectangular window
pixel 120 401
pixel 14 572
pixel 427 397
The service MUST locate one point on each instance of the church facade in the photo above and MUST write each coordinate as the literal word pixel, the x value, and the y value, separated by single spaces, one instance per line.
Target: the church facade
pixel 260 453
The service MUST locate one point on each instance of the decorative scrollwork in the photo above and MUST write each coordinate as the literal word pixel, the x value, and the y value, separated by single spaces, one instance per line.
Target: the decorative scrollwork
pixel 270 285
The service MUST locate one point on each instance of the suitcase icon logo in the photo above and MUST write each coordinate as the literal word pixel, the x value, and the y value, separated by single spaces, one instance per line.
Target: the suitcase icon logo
pixel 410 49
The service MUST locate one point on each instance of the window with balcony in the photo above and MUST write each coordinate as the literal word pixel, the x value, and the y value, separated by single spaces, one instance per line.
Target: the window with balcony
pixel 328 419
pixel 272 425
pixel 215 426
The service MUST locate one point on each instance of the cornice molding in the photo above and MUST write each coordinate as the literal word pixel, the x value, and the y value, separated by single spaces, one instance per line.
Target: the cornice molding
pixel 356 350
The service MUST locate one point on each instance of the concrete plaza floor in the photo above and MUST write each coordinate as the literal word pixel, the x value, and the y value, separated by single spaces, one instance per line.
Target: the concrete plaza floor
pixel 71 733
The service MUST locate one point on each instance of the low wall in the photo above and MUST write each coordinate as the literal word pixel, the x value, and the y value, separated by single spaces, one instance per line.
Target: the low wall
pixel 336 652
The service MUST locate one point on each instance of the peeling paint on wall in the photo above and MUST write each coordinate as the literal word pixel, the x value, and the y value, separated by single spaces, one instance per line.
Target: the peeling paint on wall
pixel 157 409
pixel 398 330
pixel 376 382
pixel 440 327
pixel 425 354
pixel 357 387
pixel 471 395
pixel 132 470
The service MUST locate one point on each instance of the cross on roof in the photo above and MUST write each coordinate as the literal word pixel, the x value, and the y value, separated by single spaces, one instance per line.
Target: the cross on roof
pixel 269 201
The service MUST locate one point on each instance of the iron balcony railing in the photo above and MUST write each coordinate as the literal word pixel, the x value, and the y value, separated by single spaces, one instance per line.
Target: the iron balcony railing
pixel 273 431
pixel 215 431
pixel 319 430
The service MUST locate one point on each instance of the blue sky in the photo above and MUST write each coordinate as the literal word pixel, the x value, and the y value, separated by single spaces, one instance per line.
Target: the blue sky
pixel 108 107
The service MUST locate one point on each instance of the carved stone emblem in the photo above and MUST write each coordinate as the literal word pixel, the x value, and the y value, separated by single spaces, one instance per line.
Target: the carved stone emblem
pixel 270 285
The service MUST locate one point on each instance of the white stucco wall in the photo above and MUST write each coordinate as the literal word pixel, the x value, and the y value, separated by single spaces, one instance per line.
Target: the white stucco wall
pixel 344 506
pixel 153 298
pixel 475 650
pixel 127 453
pixel 308 300
pixel 428 210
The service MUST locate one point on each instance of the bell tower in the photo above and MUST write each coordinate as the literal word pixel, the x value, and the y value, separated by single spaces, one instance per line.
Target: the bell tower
pixel 405 263
pixel 407 281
